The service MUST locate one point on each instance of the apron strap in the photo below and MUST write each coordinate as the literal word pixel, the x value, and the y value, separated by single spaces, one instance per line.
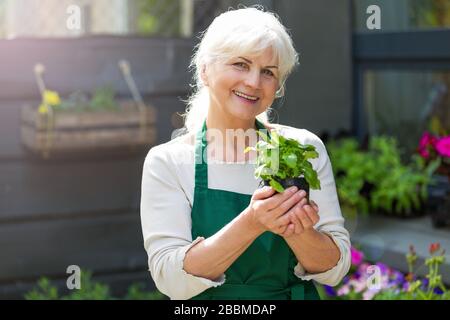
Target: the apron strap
pixel 201 157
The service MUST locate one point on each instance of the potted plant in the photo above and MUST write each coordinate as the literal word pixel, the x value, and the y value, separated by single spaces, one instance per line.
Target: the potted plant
pixel 434 147
pixel 284 162
pixel 391 284
pixel 377 180
pixel 84 126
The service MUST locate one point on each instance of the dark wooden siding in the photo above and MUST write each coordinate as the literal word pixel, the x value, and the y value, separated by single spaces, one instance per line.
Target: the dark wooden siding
pixel 82 210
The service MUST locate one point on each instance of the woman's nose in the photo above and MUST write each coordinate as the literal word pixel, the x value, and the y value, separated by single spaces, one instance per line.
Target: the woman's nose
pixel 253 79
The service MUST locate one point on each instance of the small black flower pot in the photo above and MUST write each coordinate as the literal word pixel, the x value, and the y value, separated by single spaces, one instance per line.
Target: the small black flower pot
pixel 438 204
pixel 300 183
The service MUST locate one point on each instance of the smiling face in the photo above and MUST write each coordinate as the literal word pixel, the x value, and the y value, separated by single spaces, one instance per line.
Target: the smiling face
pixel 242 87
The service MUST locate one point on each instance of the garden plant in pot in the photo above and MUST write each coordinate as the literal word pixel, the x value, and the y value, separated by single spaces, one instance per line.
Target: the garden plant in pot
pixel 283 162
pixel 434 148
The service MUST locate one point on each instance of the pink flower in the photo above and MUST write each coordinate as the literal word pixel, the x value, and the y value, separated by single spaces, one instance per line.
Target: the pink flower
pixel 344 290
pixel 426 142
pixel 443 146
pixel 357 256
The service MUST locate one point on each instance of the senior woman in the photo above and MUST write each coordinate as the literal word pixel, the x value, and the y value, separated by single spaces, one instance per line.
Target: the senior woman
pixel 209 231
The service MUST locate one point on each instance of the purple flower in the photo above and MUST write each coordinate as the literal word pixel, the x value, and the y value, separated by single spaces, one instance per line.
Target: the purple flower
pixel 405 286
pixel 425 283
pixel 438 291
pixel 329 291
pixel 398 278
pixel 383 268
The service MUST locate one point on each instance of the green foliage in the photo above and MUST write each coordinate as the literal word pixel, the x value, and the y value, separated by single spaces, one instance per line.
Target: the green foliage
pixel 103 99
pixel 432 289
pixel 44 291
pixel 160 18
pixel 90 290
pixel 136 292
pixel 376 179
pixel 280 158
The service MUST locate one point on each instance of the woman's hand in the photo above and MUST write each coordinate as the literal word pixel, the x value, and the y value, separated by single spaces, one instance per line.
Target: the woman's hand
pixel 267 212
pixel 302 217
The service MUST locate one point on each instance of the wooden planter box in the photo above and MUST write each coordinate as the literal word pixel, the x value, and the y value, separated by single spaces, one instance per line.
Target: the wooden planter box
pixel 69 132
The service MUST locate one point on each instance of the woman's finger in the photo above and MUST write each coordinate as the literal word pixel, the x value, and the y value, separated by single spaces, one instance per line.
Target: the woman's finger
pixel 291 201
pixel 312 214
pixel 289 231
pixel 263 193
pixel 314 205
pixel 293 217
pixel 303 217
pixel 297 223
pixel 275 201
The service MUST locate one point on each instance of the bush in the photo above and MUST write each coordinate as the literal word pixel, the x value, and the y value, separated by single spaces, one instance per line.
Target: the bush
pixel 376 179
pixel 393 284
pixel 90 290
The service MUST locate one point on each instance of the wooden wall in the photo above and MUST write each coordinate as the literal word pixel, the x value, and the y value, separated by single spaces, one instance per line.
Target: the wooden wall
pixel 82 210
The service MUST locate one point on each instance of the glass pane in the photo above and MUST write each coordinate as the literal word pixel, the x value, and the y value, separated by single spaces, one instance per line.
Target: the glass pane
pixel 404 15
pixel 401 104
pixel 73 18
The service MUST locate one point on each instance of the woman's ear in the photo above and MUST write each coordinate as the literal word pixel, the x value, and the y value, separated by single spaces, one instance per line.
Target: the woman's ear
pixel 204 76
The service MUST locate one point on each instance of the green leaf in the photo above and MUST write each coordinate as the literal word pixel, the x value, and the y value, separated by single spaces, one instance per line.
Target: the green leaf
pixel 291 160
pixel 277 186
pixel 248 149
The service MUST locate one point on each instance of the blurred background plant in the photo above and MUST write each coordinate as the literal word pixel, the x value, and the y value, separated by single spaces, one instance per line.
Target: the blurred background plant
pixel 90 290
pixel 375 179
pixel 360 283
pixel 103 99
pixel 435 145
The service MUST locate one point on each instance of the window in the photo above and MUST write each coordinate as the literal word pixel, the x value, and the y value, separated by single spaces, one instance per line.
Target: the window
pixel 399 103
pixel 161 18
pixel 402 71
pixel 404 15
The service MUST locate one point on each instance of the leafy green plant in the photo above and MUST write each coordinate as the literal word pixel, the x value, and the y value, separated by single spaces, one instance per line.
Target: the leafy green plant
pixel 43 291
pixel 136 292
pixel 430 288
pixel 90 290
pixel 376 179
pixel 279 158
pixel 103 99
pixel 404 187
pixel 391 283
pixel 352 169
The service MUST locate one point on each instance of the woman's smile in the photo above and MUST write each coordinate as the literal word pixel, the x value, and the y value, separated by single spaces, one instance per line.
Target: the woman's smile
pixel 245 98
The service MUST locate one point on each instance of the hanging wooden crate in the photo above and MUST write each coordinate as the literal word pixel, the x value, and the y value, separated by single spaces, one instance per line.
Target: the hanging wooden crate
pixel 63 132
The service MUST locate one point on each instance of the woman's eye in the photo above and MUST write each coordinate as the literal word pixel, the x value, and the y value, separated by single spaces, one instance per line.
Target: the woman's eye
pixel 240 64
pixel 268 72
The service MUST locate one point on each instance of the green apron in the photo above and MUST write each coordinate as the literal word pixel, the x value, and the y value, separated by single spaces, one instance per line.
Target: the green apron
pixel 266 269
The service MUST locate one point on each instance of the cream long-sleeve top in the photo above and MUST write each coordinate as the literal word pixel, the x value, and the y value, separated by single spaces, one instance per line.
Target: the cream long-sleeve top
pixel 166 203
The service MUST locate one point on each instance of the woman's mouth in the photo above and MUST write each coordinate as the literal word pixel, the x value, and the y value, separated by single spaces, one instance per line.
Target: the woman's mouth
pixel 245 97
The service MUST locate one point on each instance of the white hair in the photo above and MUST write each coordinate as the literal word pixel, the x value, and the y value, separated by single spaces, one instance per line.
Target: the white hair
pixel 245 31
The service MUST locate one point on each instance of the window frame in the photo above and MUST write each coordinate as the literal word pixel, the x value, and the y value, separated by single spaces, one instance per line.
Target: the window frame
pixel 418 50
